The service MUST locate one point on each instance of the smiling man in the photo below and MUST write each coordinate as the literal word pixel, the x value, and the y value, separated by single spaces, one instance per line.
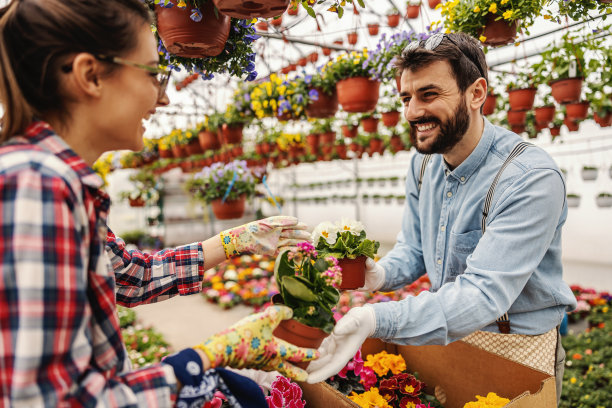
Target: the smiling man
pixel 482 218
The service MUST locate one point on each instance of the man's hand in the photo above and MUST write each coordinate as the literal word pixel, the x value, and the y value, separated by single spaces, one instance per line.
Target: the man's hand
pixel 374 276
pixel 348 336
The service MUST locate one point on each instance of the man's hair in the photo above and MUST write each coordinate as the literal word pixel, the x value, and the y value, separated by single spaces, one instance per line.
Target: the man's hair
pixel 463 53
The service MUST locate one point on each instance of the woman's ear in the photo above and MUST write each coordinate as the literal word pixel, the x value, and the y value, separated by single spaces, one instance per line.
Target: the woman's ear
pixel 84 78
pixel 478 91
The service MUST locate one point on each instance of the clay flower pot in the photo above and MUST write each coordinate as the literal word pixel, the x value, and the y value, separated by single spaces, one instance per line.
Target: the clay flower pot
pixel 341 151
pixel 393 20
pixel 373 29
pixel 353 272
pixel 571 125
pixel 352 38
pixel 603 121
pixel 312 140
pixel 300 335
pixel 488 107
pixel 165 153
pixel 252 8
pixel 434 3
pixel 566 90
pixel 577 111
pixel 187 38
pixel 544 114
pixel 293 10
pixel 521 99
pixel 376 146
pixel 302 62
pixel 178 151
pixel 208 140
pixel 137 202
pixel 369 125
pixel 232 134
pixel 193 148
pixel 390 119
pixel 230 209
pixel 325 106
pixel 555 131
pixel 313 57
pixel 518 129
pixel 517 117
pixel 358 94
pixel 349 131
pixel 413 11
pixel 327 137
pixel 261 25
pixel 326 51
pixel 499 32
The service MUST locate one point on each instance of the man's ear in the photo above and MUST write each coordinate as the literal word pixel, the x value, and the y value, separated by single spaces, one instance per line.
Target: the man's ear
pixel 84 78
pixel 478 91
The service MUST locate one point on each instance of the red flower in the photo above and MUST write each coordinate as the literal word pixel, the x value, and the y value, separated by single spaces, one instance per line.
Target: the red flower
pixel 390 383
pixel 408 384
pixel 388 394
pixel 409 402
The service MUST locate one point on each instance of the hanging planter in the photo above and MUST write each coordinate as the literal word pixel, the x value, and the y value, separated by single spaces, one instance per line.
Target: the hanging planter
pixel 178 151
pixel 302 62
pixel 165 153
pixel 376 146
pixel 603 121
pixel 589 173
pixel 604 200
pixel 208 140
pixel 138 202
pixel 393 20
pixel 312 140
pixel 186 38
pixel 325 106
pixel 412 11
pixel 577 110
pixel 293 10
pixel 373 29
pixel 573 200
pixel 352 38
pixel 566 90
pixel 521 99
pixel 517 117
pixel 358 94
pixel 369 125
pixel 353 272
pixel 555 131
pixel 262 26
pixel 277 21
pixel 313 57
pixel 499 32
pixel 326 51
pixel 250 9
pixel 327 138
pixel 349 131
pixel 340 151
pixel 230 209
pixel 544 114
pixel 390 119
pixel 193 148
pixel 434 3
pixel 572 126
pixel 488 107
pixel 232 134
pixel 518 129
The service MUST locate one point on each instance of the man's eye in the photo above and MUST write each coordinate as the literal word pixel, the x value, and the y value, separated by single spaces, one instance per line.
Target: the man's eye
pixel 429 94
pixel 406 101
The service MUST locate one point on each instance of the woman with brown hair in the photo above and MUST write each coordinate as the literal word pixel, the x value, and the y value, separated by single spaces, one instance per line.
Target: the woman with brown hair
pixel 77 78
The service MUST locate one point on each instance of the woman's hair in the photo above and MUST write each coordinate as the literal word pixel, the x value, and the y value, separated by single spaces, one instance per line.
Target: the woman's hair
pixel 37 38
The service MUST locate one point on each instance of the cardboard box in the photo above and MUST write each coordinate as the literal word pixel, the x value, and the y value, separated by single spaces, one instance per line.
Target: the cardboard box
pixel 462 371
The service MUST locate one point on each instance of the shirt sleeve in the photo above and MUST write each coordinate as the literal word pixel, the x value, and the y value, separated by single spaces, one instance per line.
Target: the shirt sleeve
pixel 145 278
pixel 404 263
pixel 46 348
pixel 522 225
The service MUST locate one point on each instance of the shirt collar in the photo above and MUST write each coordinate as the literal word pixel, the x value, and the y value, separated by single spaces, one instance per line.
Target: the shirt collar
pixel 465 170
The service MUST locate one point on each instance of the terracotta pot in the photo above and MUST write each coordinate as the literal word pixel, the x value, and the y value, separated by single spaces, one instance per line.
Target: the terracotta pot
pixel 352 38
pixel 555 131
pixel 232 134
pixel 517 117
pixel 412 11
pixel 393 20
pixel 577 111
pixel 390 119
pixel 276 22
pixel 325 106
pixel 286 70
pixel 137 202
pixel 376 146
pixel 341 151
pixel 193 148
pixel 571 125
pixel 326 149
pixel 208 140
pixel 302 62
pixel 358 94
pixel 327 137
pixel 353 272
pixel 301 335
pixel 186 38
pixel 261 25
pixel 185 166
pixel 369 125
pixel 521 99
pixel 313 57
pixel 544 114
pixel 312 140
pixel 603 121
pixel 354 147
pixel 434 3
pixel 252 8
pixel 518 129
pixel 349 131
pixel 165 153
pixel 293 10
pixel 488 107
pixel 284 117
pixel 566 90
pixel 326 51
pixel 230 209
pixel 179 151
pixel 499 32
pixel 373 29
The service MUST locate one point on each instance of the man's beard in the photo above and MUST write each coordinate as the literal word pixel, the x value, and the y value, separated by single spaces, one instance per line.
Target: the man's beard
pixel 451 132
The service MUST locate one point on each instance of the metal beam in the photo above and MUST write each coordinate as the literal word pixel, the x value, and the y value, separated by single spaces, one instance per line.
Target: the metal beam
pixel 305 42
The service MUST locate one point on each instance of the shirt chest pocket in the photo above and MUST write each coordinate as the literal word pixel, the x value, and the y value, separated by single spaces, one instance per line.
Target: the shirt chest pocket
pixel 460 247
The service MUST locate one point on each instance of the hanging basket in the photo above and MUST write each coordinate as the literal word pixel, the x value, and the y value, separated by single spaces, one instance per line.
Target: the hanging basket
pixel 499 32
pixel 373 29
pixel 165 153
pixel 413 11
pixel 577 111
pixel 566 90
pixel 544 114
pixel 230 209
pixel 353 272
pixel 488 107
pixel 589 174
pixel 186 38
pixel 390 119
pixel 369 125
pixel 302 62
pixel 325 106
pixel 603 121
pixel 434 3
pixel 573 201
pixel 521 99
pixel 349 131
pixel 313 57
pixel 393 20
pixel 327 138
pixel 352 38
pixel 358 94
pixel 249 9
pixel 603 201
pixel 518 129
pixel 517 117
pixel 178 151
pixel 572 126
pixel 555 131
pixel 312 140
pixel 326 51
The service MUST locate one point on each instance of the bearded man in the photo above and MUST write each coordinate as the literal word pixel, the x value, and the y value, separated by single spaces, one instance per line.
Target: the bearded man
pixel 483 218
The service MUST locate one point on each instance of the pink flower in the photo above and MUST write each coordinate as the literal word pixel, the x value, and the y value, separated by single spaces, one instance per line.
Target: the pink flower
pixel 368 378
pixel 275 400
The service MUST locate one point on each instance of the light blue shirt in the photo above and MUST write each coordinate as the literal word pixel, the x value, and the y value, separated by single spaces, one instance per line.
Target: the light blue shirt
pixel 514 266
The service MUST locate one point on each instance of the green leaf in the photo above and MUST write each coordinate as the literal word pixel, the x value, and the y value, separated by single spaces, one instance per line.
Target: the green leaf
pixel 298 289
pixel 361 3
pixel 340 12
pixel 309 10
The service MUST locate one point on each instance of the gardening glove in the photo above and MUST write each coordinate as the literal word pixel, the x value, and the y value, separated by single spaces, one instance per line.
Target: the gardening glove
pixel 337 349
pixel 250 344
pixel 264 236
pixel 374 276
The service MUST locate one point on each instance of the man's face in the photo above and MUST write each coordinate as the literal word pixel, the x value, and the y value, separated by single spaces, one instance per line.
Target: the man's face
pixel 435 108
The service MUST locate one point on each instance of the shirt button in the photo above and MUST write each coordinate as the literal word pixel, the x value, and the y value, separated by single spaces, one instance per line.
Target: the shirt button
pixel 443 228
pixel 439 262
pixel 449 194
pixel 462 178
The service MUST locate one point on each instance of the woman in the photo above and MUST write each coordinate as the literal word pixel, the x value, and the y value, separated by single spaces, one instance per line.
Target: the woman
pixel 77 79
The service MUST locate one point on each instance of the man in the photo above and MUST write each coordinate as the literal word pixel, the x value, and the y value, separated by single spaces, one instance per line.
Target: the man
pixel 479 270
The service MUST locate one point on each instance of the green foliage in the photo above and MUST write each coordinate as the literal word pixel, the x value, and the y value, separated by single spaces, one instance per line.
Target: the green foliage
pixel 212 182
pixel 348 245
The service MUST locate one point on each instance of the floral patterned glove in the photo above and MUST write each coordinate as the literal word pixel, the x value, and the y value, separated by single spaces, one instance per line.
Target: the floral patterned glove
pixel 250 344
pixel 263 236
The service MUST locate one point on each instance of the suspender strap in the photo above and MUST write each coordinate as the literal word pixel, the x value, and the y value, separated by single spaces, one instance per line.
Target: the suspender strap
pixel 426 160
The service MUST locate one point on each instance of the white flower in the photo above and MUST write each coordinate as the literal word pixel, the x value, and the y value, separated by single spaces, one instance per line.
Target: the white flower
pixel 353 226
pixel 230 274
pixel 327 230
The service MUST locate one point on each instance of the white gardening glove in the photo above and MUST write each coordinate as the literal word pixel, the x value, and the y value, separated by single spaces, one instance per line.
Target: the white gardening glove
pixel 337 349
pixel 374 276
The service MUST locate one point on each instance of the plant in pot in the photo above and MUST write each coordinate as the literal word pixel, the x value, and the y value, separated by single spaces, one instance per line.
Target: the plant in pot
pixel 545 109
pixel 234 122
pixel 568 69
pixel 390 107
pixel 144 191
pixel 604 200
pixel 493 23
pixel 369 121
pixel 521 91
pixel 393 17
pixel 224 186
pixel 346 241
pixel 573 200
pixel 191 143
pixel 600 103
pixel 208 134
pixel 319 94
pixel 589 173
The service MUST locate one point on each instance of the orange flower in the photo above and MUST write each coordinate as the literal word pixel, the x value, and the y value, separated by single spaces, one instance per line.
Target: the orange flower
pixel 577 356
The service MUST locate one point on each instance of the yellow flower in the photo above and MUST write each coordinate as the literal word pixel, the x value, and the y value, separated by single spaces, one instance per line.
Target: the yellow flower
pixel 504 1
pixel 493 8
pixel 507 14
pixel 476 9
pixel 181 4
pixel 573 380
pixel 482 38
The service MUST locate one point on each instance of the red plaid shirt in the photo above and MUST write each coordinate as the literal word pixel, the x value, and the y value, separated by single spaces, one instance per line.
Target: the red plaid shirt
pixel 63 273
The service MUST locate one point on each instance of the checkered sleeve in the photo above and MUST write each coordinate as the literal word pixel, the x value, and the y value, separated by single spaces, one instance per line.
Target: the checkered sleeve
pixel 50 355
pixel 145 278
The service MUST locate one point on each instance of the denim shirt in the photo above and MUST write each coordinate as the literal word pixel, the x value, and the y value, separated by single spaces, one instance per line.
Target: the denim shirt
pixel 514 266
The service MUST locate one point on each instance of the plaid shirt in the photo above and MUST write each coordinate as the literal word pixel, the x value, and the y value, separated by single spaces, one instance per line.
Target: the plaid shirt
pixel 60 341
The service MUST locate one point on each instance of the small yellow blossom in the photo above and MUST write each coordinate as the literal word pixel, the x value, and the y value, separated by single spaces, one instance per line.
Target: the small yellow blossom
pixel 504 1
pixel 482 38
pixel 507 14
pixel 573 380
pixel 493 8
pixel 476 9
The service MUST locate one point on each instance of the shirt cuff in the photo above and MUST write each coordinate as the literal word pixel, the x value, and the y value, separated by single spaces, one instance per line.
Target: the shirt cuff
pixel 189 267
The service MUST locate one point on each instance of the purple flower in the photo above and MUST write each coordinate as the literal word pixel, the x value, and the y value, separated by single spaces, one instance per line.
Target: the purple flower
pixel 313 94
pixel 196 15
